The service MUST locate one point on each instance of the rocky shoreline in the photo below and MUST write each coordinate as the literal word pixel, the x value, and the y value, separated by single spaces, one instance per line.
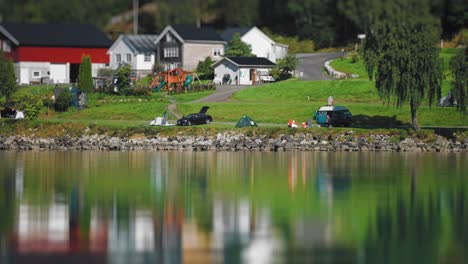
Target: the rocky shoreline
pixel 235 141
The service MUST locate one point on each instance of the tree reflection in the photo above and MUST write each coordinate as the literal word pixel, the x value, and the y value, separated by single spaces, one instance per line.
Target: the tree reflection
pixel 176 207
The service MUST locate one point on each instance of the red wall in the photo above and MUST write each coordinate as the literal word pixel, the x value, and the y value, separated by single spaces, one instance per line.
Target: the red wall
pixel 60 55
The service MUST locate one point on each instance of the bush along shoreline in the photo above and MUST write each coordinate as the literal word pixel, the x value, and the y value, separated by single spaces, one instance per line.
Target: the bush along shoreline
pixel 241 140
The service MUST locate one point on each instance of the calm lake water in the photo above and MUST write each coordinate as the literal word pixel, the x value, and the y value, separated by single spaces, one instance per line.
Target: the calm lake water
pixel 184 207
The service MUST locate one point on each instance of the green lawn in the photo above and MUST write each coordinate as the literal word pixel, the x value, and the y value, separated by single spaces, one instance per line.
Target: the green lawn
pixel 345 65
pixel 272 103
pixel 318 91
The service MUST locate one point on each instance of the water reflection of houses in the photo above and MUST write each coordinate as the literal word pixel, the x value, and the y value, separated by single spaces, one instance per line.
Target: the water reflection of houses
pixel 242 233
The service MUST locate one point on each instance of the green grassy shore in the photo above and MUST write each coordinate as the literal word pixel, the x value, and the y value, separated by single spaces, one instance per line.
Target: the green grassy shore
pixel 274 103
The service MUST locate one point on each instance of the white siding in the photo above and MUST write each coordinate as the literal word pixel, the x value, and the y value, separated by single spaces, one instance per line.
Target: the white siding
pixel 95 68
pixel 244 76
pixel 280 51
pixel 263 46
pixel 122 49
pixel 226 68
pixel 260 44
pixel 27 72
pixel 142 65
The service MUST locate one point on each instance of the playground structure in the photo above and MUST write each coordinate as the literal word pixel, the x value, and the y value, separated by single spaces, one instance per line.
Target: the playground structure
pixel 173 81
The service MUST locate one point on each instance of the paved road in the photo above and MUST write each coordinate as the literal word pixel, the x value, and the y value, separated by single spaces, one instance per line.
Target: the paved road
pixel 311 64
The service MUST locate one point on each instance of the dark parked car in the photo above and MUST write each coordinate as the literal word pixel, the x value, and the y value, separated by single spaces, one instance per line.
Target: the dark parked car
pixel 196 119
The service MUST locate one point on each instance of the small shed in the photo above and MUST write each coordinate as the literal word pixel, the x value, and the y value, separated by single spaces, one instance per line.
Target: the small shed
pixel 242 70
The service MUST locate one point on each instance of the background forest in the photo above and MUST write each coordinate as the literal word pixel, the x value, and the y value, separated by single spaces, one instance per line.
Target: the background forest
pixel 327 22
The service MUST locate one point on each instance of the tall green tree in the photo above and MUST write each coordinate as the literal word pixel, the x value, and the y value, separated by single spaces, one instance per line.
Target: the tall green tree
pixel 7 77
pixel 238 48
pixel 400 52
pixel 459 68
pixel 85 78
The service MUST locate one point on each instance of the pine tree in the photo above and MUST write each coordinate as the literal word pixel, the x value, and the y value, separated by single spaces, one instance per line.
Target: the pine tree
pixel 7 77
pixel 238 48
pixel 400 52
pixel 85 79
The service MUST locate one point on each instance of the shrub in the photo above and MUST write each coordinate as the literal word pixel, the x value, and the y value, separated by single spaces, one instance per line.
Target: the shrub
pixel 105 72
pixel 204 69
pixel 29 104
pixel 284 68
pixel 63 101
pixel 123 80
pixel 142 91
pixel 8 84
pixel 354 56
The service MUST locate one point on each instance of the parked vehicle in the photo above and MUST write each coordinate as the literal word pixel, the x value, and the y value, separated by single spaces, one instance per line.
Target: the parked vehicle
pixel 333 116
pixel 196 119
pixel 267 78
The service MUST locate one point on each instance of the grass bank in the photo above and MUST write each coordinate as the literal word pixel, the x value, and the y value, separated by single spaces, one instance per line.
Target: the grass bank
pixel 48 129
pixel 274 103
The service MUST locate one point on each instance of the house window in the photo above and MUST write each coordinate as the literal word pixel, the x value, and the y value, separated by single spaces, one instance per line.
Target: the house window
pixel 217 52
pixel 36 74
pixel 6 46
pixel 147 58
pixel 168 38
pixel 171 52
pixel 129 57
pixel 118 58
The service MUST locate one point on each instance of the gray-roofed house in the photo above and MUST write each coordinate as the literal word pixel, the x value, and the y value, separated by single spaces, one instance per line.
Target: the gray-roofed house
pixel 242 70
pixel 183 46
pixel 261 44
pixel 134 50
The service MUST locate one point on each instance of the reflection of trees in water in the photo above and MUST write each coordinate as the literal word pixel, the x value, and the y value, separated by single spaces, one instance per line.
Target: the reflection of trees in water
pixel 423 227
pixel 7 198
pixel 378 193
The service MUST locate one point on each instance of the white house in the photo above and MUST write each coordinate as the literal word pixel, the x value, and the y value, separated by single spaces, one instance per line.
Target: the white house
pixel 262 45
pixel 138 51
pixel 242 70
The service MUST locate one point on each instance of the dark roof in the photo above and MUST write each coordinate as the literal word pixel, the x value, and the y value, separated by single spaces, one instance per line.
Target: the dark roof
pixel 188 32
pixel 229 33
pixel 254 61
pixel 141 43
pixel 64 35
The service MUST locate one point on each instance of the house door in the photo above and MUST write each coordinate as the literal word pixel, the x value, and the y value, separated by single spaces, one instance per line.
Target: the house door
pixel 58 73
pixel 24 76
pixel 253 76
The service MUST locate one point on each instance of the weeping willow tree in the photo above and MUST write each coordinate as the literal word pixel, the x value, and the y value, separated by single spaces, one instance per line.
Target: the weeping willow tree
pixel 459 68
pixel 400 53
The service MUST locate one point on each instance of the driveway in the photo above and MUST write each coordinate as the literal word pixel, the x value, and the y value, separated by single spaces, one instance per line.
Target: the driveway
pixel 311 64
pixel 222 94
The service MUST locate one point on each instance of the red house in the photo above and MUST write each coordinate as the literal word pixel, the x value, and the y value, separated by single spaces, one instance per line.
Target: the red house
pixel 53 52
